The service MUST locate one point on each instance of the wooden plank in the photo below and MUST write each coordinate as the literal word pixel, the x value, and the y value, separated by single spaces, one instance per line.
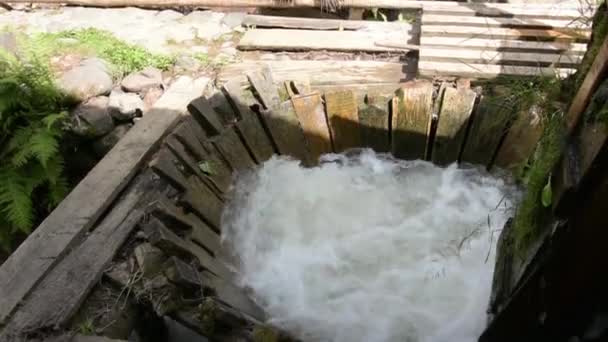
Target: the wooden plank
pixel 499 57
pixel 206 116
pixel 165 164
pixel 306 40
pixel 561 34
pixel 587 88
pixel 489 124
pixel 59 295
pixel 450 19
pixel 373 121
pixel 343 119
pixel 501 44
pixel 553 10
pixel 321 24
pixel 201 200
pixel 321 72
pixel 232 150
pixel 263 83
pixel 249 125
pixel 520 141
pixel 310 112
pixel 232 295
pixel 83 206
pixel 456 108
pixel 412 111
pixel 488 70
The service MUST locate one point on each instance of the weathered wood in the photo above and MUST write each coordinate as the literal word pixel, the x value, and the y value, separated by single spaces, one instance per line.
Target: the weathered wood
pixel 487 70
pixel 373 121
pixel 231 148
pixel 232 295
pixel 412 114
pixel 322 72
pixel 60 294
pixel 162 237
pixel 451 19
pixel 320 24
pixel 305 40
pixel 509 10
pixel 165 165
pixel 200 199
pixel 565 58
pixel 310 112
pixel 456 108
pixel 489 124
pixel 520 141
pixel 505 33
pixel 343 119
pixel 182 274
pixel 206 116
pixel 249 125
pixel 263 84
pixel 76 214
pixel 587 88
pixel 501 44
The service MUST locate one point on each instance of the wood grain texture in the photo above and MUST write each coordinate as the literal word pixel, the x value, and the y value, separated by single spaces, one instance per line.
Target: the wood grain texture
pixel 562 34
pixel 76 214
pixel 374 119
pixel 231 149
pixel 456 108
pixel 469 43
pixel 249 125
pixel 520 141
pixel 321 24
pixel 499 57
pixel 306 40
pixel 343 118
pixel 311 114
pixel 450 19
pixel 201 200
pixel 488 70
pixel 165 164
pixel 412 111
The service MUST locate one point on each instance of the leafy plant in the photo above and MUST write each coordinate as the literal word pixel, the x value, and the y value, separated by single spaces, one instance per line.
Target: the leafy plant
pixel 32 112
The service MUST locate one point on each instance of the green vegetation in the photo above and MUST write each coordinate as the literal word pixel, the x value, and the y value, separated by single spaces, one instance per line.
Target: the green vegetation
pixel 32 112
pixel 123 56
pixel 600 30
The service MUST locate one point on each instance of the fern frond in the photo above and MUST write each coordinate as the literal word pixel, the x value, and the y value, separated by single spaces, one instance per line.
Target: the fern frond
pixel 51 119
pixel 16 202
pixel 43 145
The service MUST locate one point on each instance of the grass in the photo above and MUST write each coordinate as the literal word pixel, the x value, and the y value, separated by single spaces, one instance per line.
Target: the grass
pixel 124 57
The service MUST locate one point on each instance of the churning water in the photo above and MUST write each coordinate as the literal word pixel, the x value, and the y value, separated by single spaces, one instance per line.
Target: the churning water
pixel 368 248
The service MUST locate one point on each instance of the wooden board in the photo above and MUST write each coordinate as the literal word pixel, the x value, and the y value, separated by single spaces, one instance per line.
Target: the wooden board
pixel 487 70
pixel 259 21
pixel 561 34
pixel 58 297
pixel 456 108
pixel 450 19
pixel 373 121
pixel 501 44
pixel 509 10
pixel 490 122
pixel 533 59
pixel 321 72
pixel 587 88
pixel 343 119
pixel 206 116
pixel 520 141
pixel 231 149
pixel 201 200
pixel 165 164
pixel 310 112
pixel 249 125
pixel 84 205
pixel 306 40
pixel 412 111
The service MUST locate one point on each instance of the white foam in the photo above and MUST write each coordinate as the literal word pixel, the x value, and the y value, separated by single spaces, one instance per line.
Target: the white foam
pixel 367 248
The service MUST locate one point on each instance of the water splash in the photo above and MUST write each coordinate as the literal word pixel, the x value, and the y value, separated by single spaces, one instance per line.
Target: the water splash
pixel 368 248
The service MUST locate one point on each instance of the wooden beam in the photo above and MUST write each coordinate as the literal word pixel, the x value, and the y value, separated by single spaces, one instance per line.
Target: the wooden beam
pixel 311 114
pixel 343 119
pixel 499 57
pixel 450 19
pixel 501 44
pixel 586 90
pixel 488 70
pixel 505 33
pixel 412 111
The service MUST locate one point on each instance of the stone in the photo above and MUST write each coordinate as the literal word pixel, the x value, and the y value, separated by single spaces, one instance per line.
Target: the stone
pixel 8 42
pixel 104 144
pixel 229 51
pixel 142 80
pixel 91 118
pixel 89 79
pixel 187 63
pixel 152 95
pixel 197 17
pixel 234 19
pixel 199 49
pixel 168 15
pixel 125 106
pixel 149 258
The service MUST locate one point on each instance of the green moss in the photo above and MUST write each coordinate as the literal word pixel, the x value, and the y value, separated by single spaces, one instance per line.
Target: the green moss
pixel 123 56
pixel 600 30
pixel 265 334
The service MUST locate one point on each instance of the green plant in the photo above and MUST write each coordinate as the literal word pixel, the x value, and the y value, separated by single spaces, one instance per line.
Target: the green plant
pixel 123 56
pixel 32 111
pixel 86 327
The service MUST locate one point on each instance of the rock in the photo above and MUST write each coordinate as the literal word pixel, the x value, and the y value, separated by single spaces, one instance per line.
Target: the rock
pixel 168 15
pixel 8 42
pixel 229 51
pixel 91 118
pixel 104 144
pixel 151 97
pixel 227 45
pixel 197 17
pixel 149 258
pixel 187 63
pixel 90 78
pixel 125 106
pixel 199 49
pixel 142 80
pixel 234 19
pixel 239 29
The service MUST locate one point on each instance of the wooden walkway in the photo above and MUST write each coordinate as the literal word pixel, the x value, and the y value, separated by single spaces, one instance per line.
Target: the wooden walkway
pixel 477 40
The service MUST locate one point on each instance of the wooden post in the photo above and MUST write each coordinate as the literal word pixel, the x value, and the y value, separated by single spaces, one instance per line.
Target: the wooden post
pixel 412 110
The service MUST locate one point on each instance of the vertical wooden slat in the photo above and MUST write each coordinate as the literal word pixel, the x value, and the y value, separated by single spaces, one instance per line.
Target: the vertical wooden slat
pixel 373 122
pixel 342 115
pixel 310 112
pixel 520 141
pixel 412 113
pixel 230 147
pixel 454 115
